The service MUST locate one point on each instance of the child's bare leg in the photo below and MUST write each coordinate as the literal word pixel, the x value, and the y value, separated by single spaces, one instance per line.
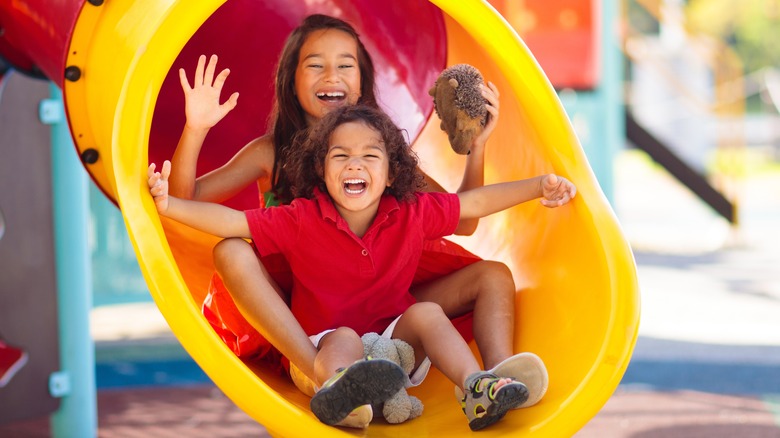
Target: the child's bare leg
pixel 261 302
pixel 338 349
pixel 487 398
pixel 428 330
pixel 487 288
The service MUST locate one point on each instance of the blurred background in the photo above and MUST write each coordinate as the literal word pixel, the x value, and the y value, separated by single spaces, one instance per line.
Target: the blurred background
pixel 677 105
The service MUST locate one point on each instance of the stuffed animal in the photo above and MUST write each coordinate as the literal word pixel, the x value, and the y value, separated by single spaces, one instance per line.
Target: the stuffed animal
pixel 401 406
pixel 458 101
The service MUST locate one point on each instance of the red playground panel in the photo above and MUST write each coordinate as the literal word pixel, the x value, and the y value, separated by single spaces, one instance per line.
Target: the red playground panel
pixel 563 35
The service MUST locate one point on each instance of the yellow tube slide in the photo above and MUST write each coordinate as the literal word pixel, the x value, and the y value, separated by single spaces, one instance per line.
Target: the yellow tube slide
pixel 578 302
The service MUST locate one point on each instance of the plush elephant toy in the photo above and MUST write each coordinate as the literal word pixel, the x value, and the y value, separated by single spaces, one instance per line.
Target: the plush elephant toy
pixel 401 406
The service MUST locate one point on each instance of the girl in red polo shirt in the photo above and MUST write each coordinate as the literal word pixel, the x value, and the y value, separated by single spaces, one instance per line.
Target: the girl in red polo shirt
pixel 353 237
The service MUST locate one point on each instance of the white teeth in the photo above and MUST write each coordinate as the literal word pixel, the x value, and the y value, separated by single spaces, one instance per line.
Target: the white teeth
pixel 331 94
pixel 349 182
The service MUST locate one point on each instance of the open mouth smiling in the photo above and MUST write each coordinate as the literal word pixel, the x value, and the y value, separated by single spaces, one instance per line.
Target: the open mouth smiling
pixel 332 96
pixel 354 186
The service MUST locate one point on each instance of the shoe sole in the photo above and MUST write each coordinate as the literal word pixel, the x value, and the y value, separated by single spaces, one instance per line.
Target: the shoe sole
pixel 364 383
pixel 526 368
pixel 507 398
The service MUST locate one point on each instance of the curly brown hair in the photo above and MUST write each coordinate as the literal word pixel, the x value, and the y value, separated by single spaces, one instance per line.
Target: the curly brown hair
pixel 307 159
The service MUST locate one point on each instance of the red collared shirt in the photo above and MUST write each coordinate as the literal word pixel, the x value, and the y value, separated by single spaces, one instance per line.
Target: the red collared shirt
pixel 340 279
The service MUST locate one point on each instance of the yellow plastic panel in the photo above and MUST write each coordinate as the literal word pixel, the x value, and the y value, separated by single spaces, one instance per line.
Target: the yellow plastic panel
pixel 578 305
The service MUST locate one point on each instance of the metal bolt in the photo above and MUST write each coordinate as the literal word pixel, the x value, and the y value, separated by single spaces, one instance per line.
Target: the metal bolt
pixel 72 73
pixel 90 156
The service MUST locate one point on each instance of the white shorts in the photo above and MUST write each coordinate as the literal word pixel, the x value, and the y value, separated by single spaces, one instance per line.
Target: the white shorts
pixel 307 386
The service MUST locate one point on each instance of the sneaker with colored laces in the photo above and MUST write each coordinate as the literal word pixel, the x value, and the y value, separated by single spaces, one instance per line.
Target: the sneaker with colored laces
pixel 485 403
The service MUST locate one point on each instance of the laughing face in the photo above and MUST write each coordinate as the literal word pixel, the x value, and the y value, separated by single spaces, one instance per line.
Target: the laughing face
pixel 356 170
pixel 328 75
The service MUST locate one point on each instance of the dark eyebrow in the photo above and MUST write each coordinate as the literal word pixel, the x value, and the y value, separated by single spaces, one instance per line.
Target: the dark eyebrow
pixel 345 148
pixel 342 55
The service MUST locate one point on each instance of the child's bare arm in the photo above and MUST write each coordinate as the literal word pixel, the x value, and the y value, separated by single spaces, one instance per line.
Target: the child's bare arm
pixel 203 110
pixel 208 217
pixel 482 201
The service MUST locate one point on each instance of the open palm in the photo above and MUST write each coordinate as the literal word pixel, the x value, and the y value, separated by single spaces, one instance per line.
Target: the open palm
pixel 202 106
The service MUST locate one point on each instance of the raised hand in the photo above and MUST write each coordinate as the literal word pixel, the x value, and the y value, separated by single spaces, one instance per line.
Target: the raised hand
pixel 202 106
pixel 158 185
pixel 556 191
pixel 490 93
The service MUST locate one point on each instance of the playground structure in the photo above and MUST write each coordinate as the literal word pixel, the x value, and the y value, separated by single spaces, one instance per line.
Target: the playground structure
pixel 116 64
pixel 687 81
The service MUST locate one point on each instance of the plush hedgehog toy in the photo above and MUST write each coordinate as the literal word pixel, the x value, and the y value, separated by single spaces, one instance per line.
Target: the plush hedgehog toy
pixel 458 101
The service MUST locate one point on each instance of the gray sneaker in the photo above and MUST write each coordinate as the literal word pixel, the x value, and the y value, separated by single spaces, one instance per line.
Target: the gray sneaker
pixel 366 382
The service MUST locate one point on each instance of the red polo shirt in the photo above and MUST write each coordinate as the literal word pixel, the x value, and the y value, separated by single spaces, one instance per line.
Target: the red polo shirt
pixel 340 279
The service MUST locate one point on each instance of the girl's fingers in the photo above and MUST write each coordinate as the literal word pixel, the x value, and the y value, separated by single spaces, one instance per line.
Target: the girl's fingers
pixel 151 176
pixel 221 78
pixel 491 95
pixel 210 69
pixel 559 191
pixel 166 170
pixel 551 181
pixel 185 84
pixel 492 110
pixel 199 71
pixel 231 102
pixel 495 89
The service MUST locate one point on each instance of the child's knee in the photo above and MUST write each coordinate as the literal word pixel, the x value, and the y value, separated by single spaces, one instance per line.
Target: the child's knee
pixel 229 251
pixel 496 275
pixel 425 311
pixel 344 336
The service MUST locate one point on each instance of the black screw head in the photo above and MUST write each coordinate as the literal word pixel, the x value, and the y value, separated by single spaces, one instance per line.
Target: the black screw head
pixel 90 156
pixel 72 73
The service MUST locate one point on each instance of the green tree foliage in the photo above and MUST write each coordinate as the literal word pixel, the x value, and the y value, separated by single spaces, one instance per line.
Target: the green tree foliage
pixel 751 27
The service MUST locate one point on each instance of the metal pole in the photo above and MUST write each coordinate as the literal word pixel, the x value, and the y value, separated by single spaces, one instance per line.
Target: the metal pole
pixel 77 416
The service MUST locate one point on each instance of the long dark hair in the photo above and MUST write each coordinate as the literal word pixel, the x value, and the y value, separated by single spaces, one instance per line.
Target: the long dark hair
pixel 288 117
pixel 307 158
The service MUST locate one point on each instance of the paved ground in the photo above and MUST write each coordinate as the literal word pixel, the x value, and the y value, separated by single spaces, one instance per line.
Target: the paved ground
pixel 707 363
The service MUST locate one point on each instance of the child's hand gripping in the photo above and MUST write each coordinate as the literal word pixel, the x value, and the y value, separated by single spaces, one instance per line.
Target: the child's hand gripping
pixel 202 106
pixel 158 185
pixel 491 94
pixel 556 191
